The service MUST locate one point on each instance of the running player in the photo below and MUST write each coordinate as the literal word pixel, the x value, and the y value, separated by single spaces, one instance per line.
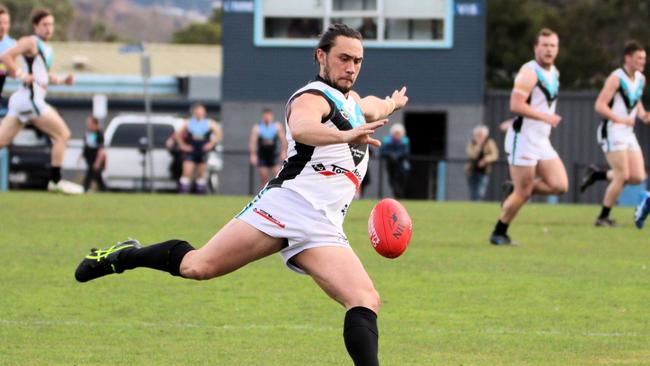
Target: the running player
pixel 6 42
pixel 619 103
pixel 266 137
pixel 28 102
pixel 299 213
pixel 196 138
pixel 535 167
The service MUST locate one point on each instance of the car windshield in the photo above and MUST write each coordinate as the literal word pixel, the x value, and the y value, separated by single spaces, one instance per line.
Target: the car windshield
pixel 135 135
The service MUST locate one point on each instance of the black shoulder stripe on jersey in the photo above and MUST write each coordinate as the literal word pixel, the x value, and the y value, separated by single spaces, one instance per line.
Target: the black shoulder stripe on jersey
pixel 294 165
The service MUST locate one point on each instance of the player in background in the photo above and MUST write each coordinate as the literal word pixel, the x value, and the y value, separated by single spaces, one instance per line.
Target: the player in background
pixel 267 146
pixel 535 167
pixel 6 42
pixel 28 104
pixel 619 103
pixel 196 138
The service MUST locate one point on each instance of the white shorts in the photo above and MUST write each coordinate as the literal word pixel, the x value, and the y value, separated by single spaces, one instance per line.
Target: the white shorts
pixel 22 106
pixel 282 213
pixel 524 150
pixel 617 139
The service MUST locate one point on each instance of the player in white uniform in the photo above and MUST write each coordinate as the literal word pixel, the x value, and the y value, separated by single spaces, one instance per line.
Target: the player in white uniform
pixel 619 103
pixel 535 167
pixel 6 42
pixel 28 102
pixel 300 213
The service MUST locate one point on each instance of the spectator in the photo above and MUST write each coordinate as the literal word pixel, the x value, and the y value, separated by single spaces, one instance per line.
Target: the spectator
pixel 368 29
pixel 176 165
pixel 94 154
pixel 202 135
pixel 395 150
pixel 267 146
pixel 482 152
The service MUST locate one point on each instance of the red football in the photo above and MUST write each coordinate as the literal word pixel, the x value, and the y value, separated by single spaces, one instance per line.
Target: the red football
pixel 389 228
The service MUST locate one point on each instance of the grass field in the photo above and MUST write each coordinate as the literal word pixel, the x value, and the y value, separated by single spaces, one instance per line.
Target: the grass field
pixel 570 294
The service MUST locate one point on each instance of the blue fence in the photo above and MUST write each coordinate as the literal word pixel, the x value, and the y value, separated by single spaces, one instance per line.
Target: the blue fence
pixel 4 170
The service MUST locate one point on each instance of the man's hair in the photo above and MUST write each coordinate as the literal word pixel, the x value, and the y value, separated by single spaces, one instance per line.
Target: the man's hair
pixel 3 10
pixel 94 120
pixel 195 106
pixel 481 128
pixel 267 110
pixel 38 14
pixel 328 37
pixel 632 46
pixel 544 32
pixel 397 127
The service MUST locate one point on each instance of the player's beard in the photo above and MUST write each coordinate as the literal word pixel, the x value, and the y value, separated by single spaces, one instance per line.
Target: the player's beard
pixel 334 84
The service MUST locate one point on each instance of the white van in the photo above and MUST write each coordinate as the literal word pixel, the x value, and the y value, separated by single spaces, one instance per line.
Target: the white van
pixel 125 141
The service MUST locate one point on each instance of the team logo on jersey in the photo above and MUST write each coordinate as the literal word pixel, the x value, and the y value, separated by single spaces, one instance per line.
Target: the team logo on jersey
pixel 318 167
pixel 345 114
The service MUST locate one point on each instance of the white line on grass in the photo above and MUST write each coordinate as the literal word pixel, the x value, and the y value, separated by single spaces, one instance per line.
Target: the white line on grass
pixel 297 327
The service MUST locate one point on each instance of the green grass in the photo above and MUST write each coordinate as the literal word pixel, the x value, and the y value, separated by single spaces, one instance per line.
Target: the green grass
pixel 570 294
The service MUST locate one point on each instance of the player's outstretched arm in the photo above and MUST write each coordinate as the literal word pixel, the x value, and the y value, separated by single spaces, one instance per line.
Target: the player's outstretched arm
pixel 305 114
pixel 375 108
pixel 524 83
pixel 605 97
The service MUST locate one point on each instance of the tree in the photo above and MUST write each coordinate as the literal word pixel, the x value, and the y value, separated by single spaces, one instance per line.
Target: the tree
pixel 100 33
pixel 592 34
pixel 201 33
pixel 20 10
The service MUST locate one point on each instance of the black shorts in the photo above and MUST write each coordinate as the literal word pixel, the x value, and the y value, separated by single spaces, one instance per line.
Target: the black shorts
pixel 267 160
pixel 196 157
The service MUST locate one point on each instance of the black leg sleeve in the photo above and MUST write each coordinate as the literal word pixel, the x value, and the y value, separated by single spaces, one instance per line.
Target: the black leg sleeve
pixel 166 256
pixel 361 336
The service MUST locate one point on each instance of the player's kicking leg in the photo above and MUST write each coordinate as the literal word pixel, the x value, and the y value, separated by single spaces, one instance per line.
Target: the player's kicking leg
pixel 51 123
pixel 339 272
pixel 234 246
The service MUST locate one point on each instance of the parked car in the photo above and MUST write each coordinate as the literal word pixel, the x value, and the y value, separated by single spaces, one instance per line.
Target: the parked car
pixel 127 161
pixel 29 159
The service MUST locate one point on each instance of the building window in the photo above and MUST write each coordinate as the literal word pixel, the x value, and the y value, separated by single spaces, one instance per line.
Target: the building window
pixel 382 23
pixel 294 28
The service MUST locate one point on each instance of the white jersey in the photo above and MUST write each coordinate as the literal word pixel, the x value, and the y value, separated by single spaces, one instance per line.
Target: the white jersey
pixel 39 67
pixel 626 100
pixel 326 176
pixel 543 98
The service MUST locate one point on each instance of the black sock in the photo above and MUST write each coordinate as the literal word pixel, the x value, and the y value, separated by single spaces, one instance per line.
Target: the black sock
pixel 501 228
pixel 166 256
pixel 361 336
pixel 55 174
pixel 600 175
pixel 604 213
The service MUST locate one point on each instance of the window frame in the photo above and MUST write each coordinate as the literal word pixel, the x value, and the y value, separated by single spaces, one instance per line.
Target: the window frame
pixel 446 42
